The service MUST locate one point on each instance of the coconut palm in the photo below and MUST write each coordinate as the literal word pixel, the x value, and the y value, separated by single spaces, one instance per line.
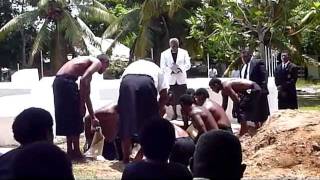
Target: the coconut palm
pixel 154 22
pixel 61 29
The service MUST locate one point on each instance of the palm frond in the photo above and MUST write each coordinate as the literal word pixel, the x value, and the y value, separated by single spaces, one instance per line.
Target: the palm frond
pixel 43 37
pixel 143 43
pixel 87 33
pixel 42 3
pixel 18 22
pixel 71 29
pixel 96 14
pixel 151 9
pixel 126 22
pixel 99 5
pixel 175 5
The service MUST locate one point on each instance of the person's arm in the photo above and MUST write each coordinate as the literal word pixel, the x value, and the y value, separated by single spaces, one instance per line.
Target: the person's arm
pixel 163 64
pixel 85 89
pixel 224 102
pixel 186 65
pixel 234 96
pixel 294 76
pixel 264 76
pixel 198 123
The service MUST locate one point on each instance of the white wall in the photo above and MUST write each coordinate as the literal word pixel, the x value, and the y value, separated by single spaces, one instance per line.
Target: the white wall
pixel 103 92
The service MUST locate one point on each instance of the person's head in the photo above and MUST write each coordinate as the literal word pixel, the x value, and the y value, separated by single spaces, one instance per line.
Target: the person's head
pixel 201 95
pixel 218 155
pixel 174 45
pixel 186 102
pixel 245 55
pixel 215 85
pixel 191 92
pixel 157 139
pixel 42 160
pixel 104 59
pixel 31 125
pixel 285 56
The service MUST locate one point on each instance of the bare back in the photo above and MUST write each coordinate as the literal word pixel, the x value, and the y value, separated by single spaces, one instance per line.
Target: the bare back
pixel 108 118
pixel 217 112
pixel 202 119
pixel 237 85
pixel 76 66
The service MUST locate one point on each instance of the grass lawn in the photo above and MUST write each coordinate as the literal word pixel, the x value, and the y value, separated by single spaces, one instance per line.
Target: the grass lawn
pixel 309 102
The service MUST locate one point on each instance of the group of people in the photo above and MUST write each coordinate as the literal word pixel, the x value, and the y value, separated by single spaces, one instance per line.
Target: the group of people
pixel 145 89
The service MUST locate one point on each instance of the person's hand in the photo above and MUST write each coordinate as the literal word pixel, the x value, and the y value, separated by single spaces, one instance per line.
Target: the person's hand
pixel 174 68
pixel 94 124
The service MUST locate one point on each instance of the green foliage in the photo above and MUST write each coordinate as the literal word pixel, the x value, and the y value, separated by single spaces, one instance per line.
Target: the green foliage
pixel 116 68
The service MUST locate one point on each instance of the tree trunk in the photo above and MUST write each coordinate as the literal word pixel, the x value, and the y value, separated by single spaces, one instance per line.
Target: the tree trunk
pixel 261 44
pixel 58 55
pixel 23 50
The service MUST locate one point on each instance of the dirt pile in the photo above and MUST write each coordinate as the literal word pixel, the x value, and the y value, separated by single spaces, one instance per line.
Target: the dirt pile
pixel 288 145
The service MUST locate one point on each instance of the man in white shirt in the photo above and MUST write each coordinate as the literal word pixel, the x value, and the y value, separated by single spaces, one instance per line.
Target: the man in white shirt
pixel 213 72
pixel 140 84
pixel 175 62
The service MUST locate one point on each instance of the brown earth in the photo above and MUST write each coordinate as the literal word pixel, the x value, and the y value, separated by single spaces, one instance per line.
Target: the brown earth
pixel 287 146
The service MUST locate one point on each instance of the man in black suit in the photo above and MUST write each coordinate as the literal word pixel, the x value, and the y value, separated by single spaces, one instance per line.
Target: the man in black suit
pixel 255 70
pixel 286 74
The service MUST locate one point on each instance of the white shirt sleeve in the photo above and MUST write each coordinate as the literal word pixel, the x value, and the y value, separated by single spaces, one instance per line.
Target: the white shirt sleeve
pixel 187 65
pixel 162 81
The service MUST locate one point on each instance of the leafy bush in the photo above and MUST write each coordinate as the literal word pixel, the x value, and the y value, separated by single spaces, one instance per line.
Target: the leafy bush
pixel 115 69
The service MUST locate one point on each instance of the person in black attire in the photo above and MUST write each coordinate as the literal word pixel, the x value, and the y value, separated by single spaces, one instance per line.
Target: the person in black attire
pixel 286 74
pixel 218 156
pixel 157 139
pixel 42 160
pixel 255 70
pixel 31 125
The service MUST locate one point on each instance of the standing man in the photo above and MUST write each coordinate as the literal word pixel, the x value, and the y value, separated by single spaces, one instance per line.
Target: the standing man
pixel 255 70
pixel 175 62
pixel 70 102
pixel 141 82
pixel 286 75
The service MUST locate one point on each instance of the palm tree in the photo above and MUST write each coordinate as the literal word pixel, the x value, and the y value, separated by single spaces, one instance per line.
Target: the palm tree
pixel 61 29
pixel 154 23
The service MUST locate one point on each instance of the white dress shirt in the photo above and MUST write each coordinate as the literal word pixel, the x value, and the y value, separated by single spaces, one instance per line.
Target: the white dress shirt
pixel 143 67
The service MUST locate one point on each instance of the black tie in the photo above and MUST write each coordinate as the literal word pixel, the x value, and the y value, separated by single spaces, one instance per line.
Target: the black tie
pixel 245 72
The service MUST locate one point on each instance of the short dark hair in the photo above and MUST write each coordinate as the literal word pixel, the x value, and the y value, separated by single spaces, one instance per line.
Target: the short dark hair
pixel 103 57
pixel 186 100
pixel 190 91
pixel 42 160
pixel 202 92
pixel 31 125
pixel 215 81
pixel 217 155
pixel 157 139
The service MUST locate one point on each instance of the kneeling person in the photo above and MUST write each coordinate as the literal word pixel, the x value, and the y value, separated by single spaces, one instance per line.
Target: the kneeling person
pixel 201 118
pixel 202 99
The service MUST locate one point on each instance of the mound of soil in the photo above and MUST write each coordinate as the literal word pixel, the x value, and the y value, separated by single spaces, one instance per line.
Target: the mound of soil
pixel 288 145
